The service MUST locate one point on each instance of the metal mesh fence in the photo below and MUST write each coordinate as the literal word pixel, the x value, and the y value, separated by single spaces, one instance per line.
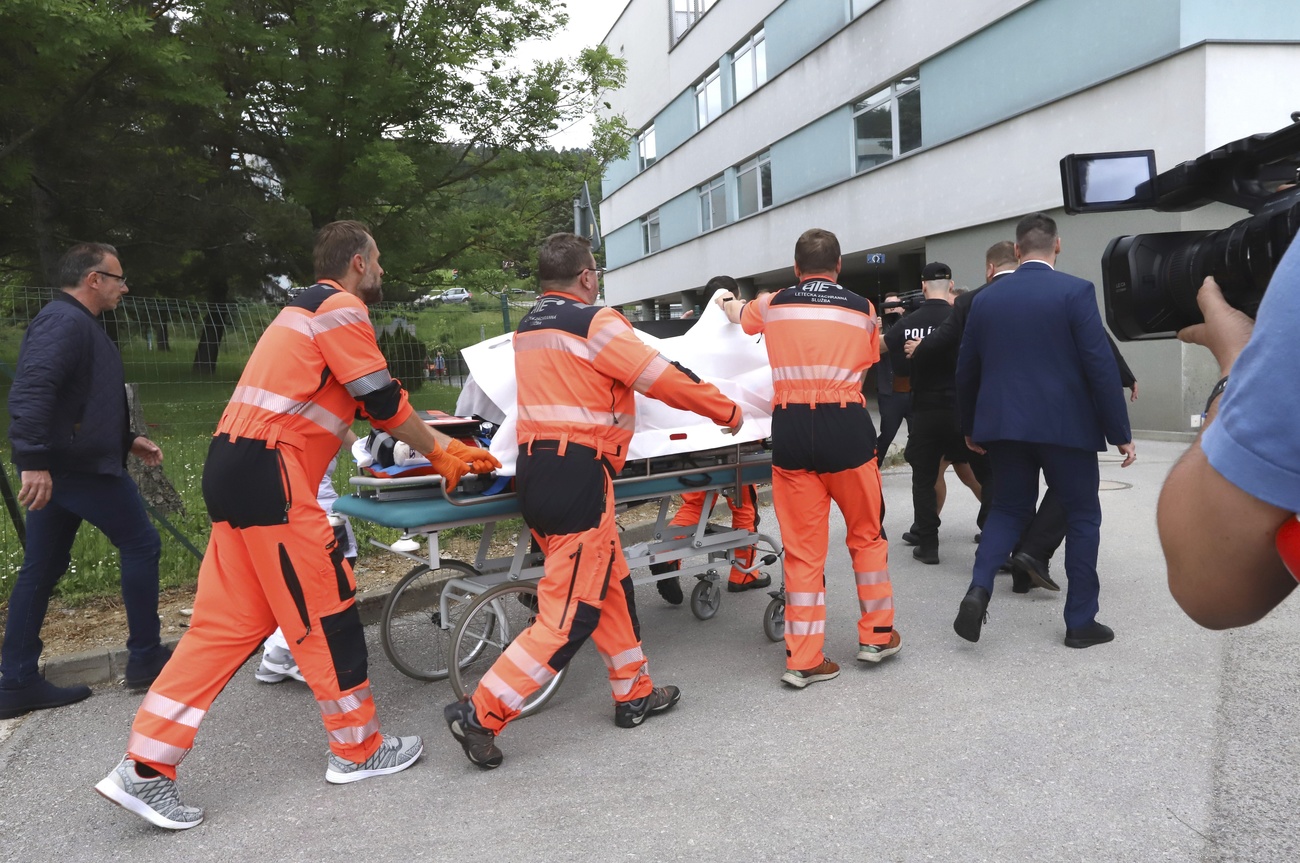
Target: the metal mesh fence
pixel 185 359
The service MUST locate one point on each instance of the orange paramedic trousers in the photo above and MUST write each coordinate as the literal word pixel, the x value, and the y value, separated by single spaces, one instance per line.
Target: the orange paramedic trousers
pixel 802 500
pixel 585 591
pixel 744 516
pixel 255 577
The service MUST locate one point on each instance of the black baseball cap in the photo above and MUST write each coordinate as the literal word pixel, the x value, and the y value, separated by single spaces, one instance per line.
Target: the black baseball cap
pixel 935 270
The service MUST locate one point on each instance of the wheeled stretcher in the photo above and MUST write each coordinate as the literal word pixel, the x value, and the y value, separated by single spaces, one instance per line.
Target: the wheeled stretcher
pixel 452 619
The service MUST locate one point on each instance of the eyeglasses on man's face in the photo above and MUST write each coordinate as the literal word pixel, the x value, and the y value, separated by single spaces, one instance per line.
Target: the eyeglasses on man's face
pixel 120 278
pixel 599 271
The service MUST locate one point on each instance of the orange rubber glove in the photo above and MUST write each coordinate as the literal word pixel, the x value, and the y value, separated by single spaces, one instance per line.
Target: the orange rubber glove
pixel 451 467
pixel 481 460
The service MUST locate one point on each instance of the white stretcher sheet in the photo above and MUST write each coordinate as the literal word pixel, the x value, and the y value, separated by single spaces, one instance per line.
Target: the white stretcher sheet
pixel 715 349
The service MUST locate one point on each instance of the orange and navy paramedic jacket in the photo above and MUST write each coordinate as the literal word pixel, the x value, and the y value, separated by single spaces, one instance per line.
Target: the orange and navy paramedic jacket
pixel 578 368
pixel 821 339
pixel 315 365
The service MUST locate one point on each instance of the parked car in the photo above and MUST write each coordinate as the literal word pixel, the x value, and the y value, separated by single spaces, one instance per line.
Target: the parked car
pixel 454 295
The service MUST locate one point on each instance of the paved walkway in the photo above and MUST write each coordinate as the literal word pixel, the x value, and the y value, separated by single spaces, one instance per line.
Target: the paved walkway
pixel 1171 744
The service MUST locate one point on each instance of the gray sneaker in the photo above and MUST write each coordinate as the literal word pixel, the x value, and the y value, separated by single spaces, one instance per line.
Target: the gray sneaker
pixel 394 755
pixel 156 799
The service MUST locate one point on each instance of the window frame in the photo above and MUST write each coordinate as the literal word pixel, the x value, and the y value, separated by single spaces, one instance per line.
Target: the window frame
pixel 890 95
pixel 694 11
pixel 706 192
pixel 646 134
pixel 755 165
pixel 651 218
pixel 757 41
pixel 712 77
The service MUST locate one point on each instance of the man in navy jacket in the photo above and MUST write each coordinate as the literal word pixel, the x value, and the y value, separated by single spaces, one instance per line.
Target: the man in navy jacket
pixel 70 435
pixel 1037 389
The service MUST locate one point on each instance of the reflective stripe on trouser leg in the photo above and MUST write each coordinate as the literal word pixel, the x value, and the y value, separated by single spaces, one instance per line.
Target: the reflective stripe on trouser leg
pixel 618 637
pixel 221 636
pixel 802 506
pixel 857 493
pixel 581 574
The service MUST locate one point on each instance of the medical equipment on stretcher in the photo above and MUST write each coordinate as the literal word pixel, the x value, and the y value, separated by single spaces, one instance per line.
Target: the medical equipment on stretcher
pixel 452 619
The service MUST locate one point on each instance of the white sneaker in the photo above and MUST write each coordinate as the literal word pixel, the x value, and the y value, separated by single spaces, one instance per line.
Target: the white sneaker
pixel 274 672
pixel 156 800
pixel 394 755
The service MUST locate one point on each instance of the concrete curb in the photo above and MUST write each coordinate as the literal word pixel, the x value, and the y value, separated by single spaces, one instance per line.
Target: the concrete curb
pixel 96 667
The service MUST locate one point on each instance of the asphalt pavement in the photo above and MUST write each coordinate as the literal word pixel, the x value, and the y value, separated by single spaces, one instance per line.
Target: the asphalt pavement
pixel 1170 744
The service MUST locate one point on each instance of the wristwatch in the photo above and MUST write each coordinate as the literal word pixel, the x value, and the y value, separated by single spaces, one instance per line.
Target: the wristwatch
pixel 1214 394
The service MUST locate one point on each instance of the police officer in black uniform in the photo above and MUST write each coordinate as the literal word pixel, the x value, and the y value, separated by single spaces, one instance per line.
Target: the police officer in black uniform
pixel 935 434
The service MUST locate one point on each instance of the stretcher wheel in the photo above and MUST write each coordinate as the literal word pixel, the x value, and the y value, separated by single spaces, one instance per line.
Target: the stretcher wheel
pixel 486 629
pixel 413 630
pixel 706 598
pixel 774 620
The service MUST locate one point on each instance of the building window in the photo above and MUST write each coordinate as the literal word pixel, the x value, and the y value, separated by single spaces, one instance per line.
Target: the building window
pixel 713 204
pixel 749 62
pixel 888 123
pixel 645 148
pixel 650 233
pixel 686 13
pixel 754 184
pixel 708 97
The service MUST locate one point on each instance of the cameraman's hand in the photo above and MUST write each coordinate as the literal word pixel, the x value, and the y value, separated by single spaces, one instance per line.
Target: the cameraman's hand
pixel 1225 331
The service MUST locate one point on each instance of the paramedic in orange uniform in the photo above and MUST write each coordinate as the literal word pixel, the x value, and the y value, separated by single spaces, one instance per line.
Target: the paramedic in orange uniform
pixel 744 516
pixel 820 340
pixel 272 559
pixel 578 368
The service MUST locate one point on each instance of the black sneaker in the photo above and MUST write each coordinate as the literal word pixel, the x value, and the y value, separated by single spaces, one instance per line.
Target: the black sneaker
pixel 670 589
pixel 630 714
pixel 478 743
pixel 754 582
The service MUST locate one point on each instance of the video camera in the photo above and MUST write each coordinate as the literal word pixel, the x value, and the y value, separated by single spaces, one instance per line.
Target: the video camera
pixel 1150 280
pixel 907 301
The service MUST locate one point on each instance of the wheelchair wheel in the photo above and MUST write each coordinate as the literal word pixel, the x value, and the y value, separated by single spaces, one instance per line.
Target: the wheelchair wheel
pixel 706 598
pixel 487 628
pixel 415 634
pixel 774 620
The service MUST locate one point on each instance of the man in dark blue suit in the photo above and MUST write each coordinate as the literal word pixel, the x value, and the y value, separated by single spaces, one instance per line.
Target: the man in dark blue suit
pixel 1036 389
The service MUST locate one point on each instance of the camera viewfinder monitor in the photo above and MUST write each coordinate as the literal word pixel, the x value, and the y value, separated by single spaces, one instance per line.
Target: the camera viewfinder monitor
pixel 1106 182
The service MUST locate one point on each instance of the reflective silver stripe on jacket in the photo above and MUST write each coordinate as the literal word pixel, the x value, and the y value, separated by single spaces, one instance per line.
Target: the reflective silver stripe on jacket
pixel 815 373
pixel 372 382
pixel 652 372
pixel 574 414
pixel 807 313
pixel 276 403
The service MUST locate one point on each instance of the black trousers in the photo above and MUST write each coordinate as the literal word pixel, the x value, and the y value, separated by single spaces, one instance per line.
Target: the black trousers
pixel 935 436
pixel 894 408
pixel 1046 531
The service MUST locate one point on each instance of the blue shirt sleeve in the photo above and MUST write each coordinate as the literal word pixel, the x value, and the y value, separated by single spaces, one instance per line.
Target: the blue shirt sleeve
pixel 1255 439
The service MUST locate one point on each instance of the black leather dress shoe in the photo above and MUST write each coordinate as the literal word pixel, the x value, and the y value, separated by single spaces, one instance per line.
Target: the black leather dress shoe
pixel 972 613
pixel 926 553
pixel 911 538
pixel 1020 581
pixel 1089 636
pixel 1035 569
